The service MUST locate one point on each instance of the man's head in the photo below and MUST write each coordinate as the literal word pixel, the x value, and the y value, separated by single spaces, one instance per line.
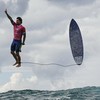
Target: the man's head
pixel 18 20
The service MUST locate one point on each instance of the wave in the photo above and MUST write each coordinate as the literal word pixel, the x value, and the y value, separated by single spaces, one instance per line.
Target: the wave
pixel 85 93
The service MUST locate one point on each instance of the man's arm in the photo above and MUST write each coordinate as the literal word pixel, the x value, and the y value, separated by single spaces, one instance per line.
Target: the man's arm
pixel 24 38
pixel 9 17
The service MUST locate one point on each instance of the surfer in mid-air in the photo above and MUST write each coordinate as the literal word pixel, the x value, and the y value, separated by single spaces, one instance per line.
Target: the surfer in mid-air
pixel 18 40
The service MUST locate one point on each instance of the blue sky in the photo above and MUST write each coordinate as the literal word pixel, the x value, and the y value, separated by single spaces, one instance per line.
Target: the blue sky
pixel 47 24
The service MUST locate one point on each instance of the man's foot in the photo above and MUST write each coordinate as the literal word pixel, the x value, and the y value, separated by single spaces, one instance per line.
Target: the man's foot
pixel 19 65
pixel 15 63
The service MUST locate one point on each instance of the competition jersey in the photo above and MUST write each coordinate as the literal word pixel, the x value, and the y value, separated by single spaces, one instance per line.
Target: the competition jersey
pixel 19 30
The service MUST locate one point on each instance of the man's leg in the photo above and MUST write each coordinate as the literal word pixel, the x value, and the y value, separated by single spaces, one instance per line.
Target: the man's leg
pixel 18 59
pixel 15 57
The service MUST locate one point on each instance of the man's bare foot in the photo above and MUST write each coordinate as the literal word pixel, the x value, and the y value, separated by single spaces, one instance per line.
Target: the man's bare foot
pixel 19 65
pixel 15 63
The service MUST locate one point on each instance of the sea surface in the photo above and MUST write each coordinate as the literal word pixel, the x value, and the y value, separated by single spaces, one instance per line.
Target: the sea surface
pixel 86 93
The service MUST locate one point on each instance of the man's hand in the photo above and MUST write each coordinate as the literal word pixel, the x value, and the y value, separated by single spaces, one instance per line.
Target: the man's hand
pixel 6 11
pixel 23 43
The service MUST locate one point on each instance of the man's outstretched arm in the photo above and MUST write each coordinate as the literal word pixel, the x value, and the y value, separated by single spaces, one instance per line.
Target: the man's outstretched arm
pixel 9 17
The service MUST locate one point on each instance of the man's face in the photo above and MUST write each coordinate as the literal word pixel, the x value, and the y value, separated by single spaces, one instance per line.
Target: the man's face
pixel 18 21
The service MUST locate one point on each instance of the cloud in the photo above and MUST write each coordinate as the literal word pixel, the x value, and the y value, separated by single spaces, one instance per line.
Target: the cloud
pixel 43 16
pixel 18 81
pixel 15 7
pixel 2 7
pixel 67 2
pixel 18 7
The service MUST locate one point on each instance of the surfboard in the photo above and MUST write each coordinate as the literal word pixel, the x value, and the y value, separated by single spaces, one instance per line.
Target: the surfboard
pixel 76 42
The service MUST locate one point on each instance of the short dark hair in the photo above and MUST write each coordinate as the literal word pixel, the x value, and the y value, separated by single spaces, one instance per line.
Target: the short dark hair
pixel 19 18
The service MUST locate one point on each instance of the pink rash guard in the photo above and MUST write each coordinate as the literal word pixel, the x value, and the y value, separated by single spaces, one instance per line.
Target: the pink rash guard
pixel 19 30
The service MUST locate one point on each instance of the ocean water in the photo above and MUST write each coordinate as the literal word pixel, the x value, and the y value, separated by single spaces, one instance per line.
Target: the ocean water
pixel 86 93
